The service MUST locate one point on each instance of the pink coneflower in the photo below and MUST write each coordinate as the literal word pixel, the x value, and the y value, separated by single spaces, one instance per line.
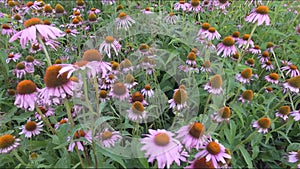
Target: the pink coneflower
pixel 92 18
pixel 255 50
pixel 212 34
pixel 206 66
pixel 181 5
pixel 195 6
pixel 147 91
pixel 129 81
pixel 191 59
pixel 108 2
pixel 264 56
pixel 214 151
pixel 72 32
pixel 269 89
pixel 138 96
pixel 126 65
pixel 236 35
pixel 59 10
pixel 78 66
pixel 137 112
pixel 192 135
pixel 31 128
pixel 145 50
pixel 214 85
pixel 161 145
pixel 33 27
pixel 26 97
pixel 79 134
pixel 201 163
pixel 245 76
pixel 62 121
pixel 35 47
pixel 283 112
pixel 31 6
pixel 187 68
pixel 204 28
pixel 221 4
pixel 259 15
pixel 13 56
pixel 108 44
pixel 108 138
pixel 58 87
pixel 296 115
pixel 20 70
pixel 30 62
pixel 291 69
pixel 268 65
pixel 103 95
pixel 7 30
pixel 124 21
pixel 8 142
pixel 111 78
pixel 245 42
pixel 147 11
pixel 179 100
pixel 94 10
pixel 292 84
pixel 226 47
pixel 48 10
pixel 250 62
pixel 235 57
pixel 272 78
pixel 46 111
pixel 171 18
pixel 294 157
pixel 223 114
pixel 262 124
pixel 119 91
pixel 247 96
pixel 80 4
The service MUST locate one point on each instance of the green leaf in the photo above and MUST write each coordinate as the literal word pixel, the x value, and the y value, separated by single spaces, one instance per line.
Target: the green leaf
pixel 64 161
pixel 246 156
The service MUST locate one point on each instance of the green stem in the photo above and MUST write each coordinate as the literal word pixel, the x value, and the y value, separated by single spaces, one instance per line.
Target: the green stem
pixel 237 93
pixel 69 114
pixel 15 153
pixel 206 104
pixel 174 120
pixel 244 141
pixel 79 156
pixel 45 120
pixel 45 50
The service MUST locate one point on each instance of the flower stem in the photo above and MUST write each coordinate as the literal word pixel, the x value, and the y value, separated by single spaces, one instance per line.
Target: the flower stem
pixel 45 50
pixel 15 153
pixel 244 141
pixel 174 120
pixel 206 104
pixel 45 120
pixel 69 114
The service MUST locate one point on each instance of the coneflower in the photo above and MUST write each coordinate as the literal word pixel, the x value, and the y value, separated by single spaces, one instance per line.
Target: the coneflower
pixel 292 84
pixel 214 85
pixel 283 112
pixel 262 124
pixel 259 15
pixel 246 96
pixel 26 95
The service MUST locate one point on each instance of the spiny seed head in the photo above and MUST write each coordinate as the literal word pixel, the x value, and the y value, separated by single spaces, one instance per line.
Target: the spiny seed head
pixel 26 87
pixel 191 56
pixel 59 9
pixel 103 94
pixel 171 14
pixel 225 112
pixel 92 17
pixel 17 17
pixel 270 44
pixel 216 81
pixel 247 95
pixel 181 1
pixel 137 96
pixel 147 8
pixel 206 64
pixel 47 22
pixel 80 2
pixel 137 108
pixel 161 139
pixel 195 3
pixel 246 36
pixel 246 73
pixel 115 66
pixel 63 121
pixel 213 148
pixel 11 92
pixel 294 82
pixel 196 130
pixel 32 22
pixel 29 58
pixel 10 55
pixel 79 133
pixel 11 3
pixel 264 122
pixel 52 79
pixel 92 55
pixel 236 55
pixel 236 34
pixel 106 135
pixel 5 26
pixel 58 61
pixel 202 163
pixel 250 61
pixel 269 89
pixel 119 7
pixel 75 21
pixel 205 26
pixel 144 47
pixel 285 110
pixel 126 63
pixel 20 66
pixel 119 89
pixel 293 67
pixel 256 47
pixel 212 30
pixel 109 39
pixel 30 126
pixel 129 78
pixel 180 96
pixel 268 62
pixel 76 13
pixel 122 15
pixel 6 141
pixel 79 18
pixel 228 41
pixel 147 87
pixel 48 8
pixel 274 76
pixel 29 4
pixel 223 1
pixel 265 54
pixel 262 10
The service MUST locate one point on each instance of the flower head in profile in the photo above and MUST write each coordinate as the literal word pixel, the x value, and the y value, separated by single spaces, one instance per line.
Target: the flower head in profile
pixel 108 138
pixel 8 143
pixel 161 146
pixel 137 112
pixel 31 128
pixel 13 57
pixel 245 76
pixel 283 112
pixel 61 122
pixel 259 15
pixel 245 42
pixel 250 62
pixel 77 135
pixel 7 30
pixel 212 34
pixel 20 70
pixel 272 78
pixel 195 6
pixel 291 70
pixel 246 96
pixel 223 114
pixel 124 21
pixel 34 27
pixel 179 100
pixel 129 81
pixel 214 85
pixel 262 124
pixel 206 66
pixel 192 135
pixel 191 59
pixel 46 111
pixel 119 91
pixel 201 163
pixel 226 47
pixel 292 84
pixel 27 95
pixel 171 18
pixel 108 44
pixel 214 151
pixel 147 91
pixel 181 5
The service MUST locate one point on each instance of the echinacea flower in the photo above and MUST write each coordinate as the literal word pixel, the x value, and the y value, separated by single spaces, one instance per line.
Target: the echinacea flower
pixel 46 111
pixel 179 100
pixel 259 15
pixel 30 62
pixel 206 66
pixel 108 44
pixel 92 18
pixel 13 57
pixel 226 47
pixel 192 135
pixel 129 81
pixel 8 142
pixel 138 96
pixel 72 32
pixel 294 157
pixel 204 28
pixel 31 128
pixel 161 146
pixel 212 34
pixel 223 114
pixel 221 4
pixel 291 69
pixel 283 112
pixel 195 6
pixel 262 124
pixel 201 163
pixel 181 5
pixel 296 115
pixel 250 62
pixel 147 91
pixel 255 49
pixel 236 35
pixel 191 59
pixel 7 30
pixel 26 97
pixel 214 85
pixel 171 18
pixel 245 42
pixel 62 121
pixel 214 151
pixel 272 78
pixel 147 11
pixel 126 65
pixel 108 138
pixel 269 89
pixel 292 84
pixel 103 95
pixel 246 96
pixel 94 10
pixel 245 76
pixel 119 91
pixel 137 112
pixel 79 134
pixel 59 10
pixel 124 21
pixel 264 56
pixel 58 86
pixel 20 70
pixel 34 27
